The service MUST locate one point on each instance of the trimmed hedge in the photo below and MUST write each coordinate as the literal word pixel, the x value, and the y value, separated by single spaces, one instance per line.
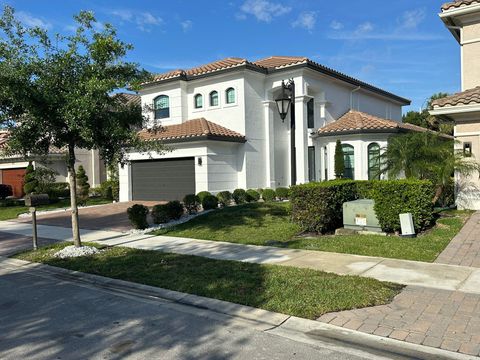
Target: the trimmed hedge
pixel 268 195
pixel 282 193
pixel 5 190
pixel 209 202
pixel 202 194
pixel 253 195
pixel 239 196
pixel 394 197
pixel 164 213
pixel 137 214
pixel 317 207
pixel 224 198
pixel 191 203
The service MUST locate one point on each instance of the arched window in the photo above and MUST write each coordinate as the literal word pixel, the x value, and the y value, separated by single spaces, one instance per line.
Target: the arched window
pixel 161 106
pixel 349 156
pixel 198 101
pixel 214 98
pixel 230 96
pixel 373 161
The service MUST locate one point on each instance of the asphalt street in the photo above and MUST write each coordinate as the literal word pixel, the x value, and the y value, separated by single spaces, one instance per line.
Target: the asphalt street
pixel 45 317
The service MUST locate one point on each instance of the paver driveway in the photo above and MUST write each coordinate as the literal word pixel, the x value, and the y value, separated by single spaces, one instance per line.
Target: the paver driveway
pixel 103 217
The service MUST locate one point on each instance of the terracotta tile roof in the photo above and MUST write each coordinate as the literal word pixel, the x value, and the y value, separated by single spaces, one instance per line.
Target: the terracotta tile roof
pixel 128 99
pixel 458 3
pixel 267 65
pixel 471 96
pixel 191 130
pixel 4 134
pixel 280 61
pixel 360 122
pixel 202 69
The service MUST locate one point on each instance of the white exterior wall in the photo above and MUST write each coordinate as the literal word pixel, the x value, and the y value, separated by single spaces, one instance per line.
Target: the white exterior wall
pixel 360 144
pixel 264 160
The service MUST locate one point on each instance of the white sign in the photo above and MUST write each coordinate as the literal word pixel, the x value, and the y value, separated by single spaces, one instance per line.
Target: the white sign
pixel 360 220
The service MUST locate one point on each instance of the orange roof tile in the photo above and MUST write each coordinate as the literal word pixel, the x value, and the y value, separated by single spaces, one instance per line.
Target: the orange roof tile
pixel 191 130
pixel 471 96
pixel 272 63
pixel 128 98
pixel 358 122
pixel 458 3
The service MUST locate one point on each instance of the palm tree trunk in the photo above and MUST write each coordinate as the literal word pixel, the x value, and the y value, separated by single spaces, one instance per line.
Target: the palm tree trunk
pixel 438 194
pixel 72 179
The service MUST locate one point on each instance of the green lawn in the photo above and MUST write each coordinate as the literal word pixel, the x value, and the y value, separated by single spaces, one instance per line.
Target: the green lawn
pixel 262 223
pixel 299 292
pixel 12 212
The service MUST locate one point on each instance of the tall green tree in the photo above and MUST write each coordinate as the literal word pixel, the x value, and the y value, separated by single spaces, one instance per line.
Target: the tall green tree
pixel 424 119
pixel 30 181
pixel 339 160
pixel 55 90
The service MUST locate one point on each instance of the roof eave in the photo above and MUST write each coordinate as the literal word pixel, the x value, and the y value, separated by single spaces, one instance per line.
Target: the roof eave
pixel 358 132
pixel 240 140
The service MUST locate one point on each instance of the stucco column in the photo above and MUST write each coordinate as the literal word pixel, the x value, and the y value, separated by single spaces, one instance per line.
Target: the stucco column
pixel 268 108
pixel 125 180
pixel 301 138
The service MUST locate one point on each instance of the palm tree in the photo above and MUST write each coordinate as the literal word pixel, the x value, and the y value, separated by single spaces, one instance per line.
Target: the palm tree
pixel 426 156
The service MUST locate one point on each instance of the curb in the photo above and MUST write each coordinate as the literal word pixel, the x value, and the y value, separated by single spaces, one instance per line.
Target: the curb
pixel 294 328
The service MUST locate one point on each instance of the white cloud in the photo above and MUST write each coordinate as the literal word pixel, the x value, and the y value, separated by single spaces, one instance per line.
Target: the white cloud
pixel 32 21
pixel 364 28
pixel 411 19
pixel 336 25
pixel 144 20
pixel 264 10
pixel 186 25
pixel 306 20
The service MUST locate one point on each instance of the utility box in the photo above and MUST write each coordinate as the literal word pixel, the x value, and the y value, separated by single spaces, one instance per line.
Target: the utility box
pixel 359 215
pixel 406 223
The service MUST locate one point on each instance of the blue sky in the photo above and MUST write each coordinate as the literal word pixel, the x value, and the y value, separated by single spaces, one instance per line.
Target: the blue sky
pixel 401 46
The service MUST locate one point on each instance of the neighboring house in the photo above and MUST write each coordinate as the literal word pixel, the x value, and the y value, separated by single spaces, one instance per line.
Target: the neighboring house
pixel 462 18
pixel 12 169
pixel 222 124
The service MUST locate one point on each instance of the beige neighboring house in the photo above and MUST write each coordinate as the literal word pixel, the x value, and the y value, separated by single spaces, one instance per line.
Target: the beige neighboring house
pixel 462 18
pixel 12 169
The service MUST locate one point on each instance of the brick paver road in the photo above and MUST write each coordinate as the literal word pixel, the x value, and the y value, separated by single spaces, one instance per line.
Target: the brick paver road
pixel 439 318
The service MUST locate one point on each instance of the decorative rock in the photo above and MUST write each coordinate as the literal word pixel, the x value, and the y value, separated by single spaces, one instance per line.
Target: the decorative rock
pixel 73 251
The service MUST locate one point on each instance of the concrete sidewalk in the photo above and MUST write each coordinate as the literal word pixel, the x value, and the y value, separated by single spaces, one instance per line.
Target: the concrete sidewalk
pixel 436 276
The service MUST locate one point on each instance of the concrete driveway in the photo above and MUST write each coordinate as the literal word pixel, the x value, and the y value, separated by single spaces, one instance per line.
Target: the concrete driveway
pixel 103 217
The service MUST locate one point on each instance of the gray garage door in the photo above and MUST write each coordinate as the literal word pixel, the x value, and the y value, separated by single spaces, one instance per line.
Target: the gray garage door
pixel 169 179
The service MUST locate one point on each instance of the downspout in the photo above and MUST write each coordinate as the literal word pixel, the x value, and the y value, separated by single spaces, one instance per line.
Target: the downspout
pixel 351 96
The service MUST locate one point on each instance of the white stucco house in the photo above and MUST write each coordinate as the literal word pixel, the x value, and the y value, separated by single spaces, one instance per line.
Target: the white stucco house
pixel 462 19
pixel 223 126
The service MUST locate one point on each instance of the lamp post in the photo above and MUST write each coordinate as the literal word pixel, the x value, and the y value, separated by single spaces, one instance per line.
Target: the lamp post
pixel 284 103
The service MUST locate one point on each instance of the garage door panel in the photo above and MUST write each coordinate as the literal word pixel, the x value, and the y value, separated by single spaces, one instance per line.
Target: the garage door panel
pixel 163 179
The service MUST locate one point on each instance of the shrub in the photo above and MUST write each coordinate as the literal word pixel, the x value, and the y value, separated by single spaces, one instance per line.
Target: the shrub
pixel 239 196
pixel 209 202
pixel 137 214
pixel 58 190
pixel 191 203
pixel 30 182
pixel 448 195
pixel 282 193
pixel 339 158
pixel 5 190
pixel 83 186
pixel 317 207
pixel 252 195
pixel 164 213
pixel 365 189
pixel 201 195
pixel 260 191
pixel 224 198
pixel 45 178
pixel 394 197
pixel 268 195
pixel 110 189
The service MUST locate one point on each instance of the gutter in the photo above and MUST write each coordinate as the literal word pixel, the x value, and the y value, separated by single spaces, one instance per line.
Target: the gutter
pixel 351 96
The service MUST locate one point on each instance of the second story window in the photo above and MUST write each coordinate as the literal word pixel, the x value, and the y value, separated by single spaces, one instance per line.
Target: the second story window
pixel 161 105
pixel 214 98
pixel 198 101
pixel 230 96
pixel 310 114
